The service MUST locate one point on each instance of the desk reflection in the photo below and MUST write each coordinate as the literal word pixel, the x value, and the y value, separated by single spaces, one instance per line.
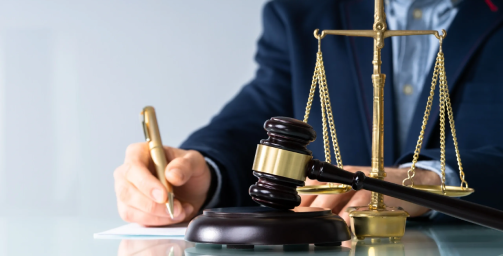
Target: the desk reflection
pixel 414 243
pixel 431 241
pixel 163 247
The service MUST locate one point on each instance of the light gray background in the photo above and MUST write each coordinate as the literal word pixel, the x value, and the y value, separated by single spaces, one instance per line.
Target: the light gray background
pixel 74 76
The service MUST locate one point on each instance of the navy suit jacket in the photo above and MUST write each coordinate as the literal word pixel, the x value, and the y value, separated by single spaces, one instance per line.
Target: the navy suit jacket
pixel 286 57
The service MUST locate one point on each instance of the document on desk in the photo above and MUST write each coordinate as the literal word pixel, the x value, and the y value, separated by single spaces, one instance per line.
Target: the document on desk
pixel 135 231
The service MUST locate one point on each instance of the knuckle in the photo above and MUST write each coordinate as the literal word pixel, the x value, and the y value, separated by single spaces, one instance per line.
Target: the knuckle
pixel 149 206
pixel 184 162
pixel 195 155
pixel 124 194
pixel 142 183
pixel 127 169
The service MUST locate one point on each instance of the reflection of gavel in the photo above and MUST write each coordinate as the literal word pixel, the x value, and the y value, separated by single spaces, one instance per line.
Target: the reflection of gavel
pixel 282 163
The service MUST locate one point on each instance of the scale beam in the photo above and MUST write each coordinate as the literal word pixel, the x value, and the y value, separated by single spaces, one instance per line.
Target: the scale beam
pixel 376 34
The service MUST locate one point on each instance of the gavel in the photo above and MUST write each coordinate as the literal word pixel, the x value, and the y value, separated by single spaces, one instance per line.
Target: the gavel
pixel 282 163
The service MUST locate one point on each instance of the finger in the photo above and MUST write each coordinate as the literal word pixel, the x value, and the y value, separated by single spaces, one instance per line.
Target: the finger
pixel 353 169
pixel 137 153
pixel 188 209
pixel 182 169
pixel 130 195
pixel 139 175
pixel 133 215
pixel 332 202
pixel 360 198
pixel 307 200
pixel 172 153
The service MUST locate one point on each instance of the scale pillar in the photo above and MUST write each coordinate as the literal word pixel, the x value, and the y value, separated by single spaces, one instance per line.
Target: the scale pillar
pixel 377 200
pixel 376 219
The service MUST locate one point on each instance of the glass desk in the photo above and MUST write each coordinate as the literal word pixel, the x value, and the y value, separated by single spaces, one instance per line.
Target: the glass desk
pixel 74 236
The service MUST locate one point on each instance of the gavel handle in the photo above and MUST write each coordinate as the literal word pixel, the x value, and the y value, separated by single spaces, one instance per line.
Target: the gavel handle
pixel 476 213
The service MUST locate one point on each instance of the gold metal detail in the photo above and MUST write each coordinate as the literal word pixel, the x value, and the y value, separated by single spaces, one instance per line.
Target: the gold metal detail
pixel 329 188
pixel 153 137
pixel 387 222
pixel 445 106
pixel 452 191
pixel 281 162
pixel 327 118
pixel 377 248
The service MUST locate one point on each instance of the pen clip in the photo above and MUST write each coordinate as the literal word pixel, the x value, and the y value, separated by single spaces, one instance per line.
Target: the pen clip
pixel 145 128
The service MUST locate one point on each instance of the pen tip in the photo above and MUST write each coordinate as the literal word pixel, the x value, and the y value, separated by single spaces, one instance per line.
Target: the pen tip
pixel 170 205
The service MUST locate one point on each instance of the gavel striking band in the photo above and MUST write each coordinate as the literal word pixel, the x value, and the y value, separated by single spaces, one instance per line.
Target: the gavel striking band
pixel 282 162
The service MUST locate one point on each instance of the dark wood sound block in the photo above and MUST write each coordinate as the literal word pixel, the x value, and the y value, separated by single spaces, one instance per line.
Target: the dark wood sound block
pixel 244 227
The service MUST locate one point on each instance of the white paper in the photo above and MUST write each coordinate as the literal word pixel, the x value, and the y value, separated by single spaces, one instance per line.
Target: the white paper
pixel 136 231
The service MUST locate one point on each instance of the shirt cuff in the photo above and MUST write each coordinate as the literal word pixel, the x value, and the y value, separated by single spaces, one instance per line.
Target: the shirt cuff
pixel 216 195
pixel 451 177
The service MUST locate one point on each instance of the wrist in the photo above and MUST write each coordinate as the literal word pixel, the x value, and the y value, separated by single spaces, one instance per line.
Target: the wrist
pixel 210 194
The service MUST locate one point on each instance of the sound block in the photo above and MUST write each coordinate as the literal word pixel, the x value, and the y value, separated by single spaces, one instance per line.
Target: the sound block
pixel 244 227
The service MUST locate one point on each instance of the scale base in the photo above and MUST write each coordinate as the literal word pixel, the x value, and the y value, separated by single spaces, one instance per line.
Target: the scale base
pixel 244 227
pixel 386 223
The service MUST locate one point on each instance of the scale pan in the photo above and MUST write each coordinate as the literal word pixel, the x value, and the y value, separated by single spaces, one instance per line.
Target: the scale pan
pixel 452 191
pixel 323 189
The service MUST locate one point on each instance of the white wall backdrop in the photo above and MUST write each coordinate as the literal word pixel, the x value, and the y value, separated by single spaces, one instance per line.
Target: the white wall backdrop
pixel 74 76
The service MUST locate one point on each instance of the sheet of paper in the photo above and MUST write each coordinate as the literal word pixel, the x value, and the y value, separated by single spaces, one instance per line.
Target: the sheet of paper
pixel 135 231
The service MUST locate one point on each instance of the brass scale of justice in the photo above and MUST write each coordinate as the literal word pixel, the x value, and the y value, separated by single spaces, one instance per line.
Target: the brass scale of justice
pixel 365 220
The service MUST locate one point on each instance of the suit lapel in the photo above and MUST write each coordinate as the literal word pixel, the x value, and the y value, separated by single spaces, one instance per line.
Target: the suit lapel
pixel 358 14
pixel 472 25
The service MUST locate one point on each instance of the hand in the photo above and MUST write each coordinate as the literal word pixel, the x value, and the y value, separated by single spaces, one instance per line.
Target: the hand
pixel 339 202
pixel 140 195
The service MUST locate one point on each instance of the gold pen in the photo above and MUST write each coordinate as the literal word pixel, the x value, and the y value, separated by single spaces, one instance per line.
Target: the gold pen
pixel 153 137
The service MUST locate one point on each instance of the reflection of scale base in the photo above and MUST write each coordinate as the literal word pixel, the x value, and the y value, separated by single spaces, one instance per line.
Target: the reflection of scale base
pixel 245 227
pixel 376 247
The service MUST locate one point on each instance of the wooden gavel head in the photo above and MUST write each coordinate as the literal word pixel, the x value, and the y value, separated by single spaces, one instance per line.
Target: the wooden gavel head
pixel 280 162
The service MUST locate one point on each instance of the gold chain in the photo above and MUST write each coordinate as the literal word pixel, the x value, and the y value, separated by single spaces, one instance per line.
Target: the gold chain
pixel 311 93
pixel 328 108
pixel 412 171
pixel 326 142
pixel 453 128
pixel 442 92
pixel 445 103
pixel 313 83
pixel 319 77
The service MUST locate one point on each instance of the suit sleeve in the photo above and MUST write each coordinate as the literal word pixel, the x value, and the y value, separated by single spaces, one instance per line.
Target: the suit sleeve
pixel 231 137
pixel 482 167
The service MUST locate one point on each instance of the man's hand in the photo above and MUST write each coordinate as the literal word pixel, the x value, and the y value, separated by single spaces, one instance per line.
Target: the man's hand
pixel 338 203
pixel 140 195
